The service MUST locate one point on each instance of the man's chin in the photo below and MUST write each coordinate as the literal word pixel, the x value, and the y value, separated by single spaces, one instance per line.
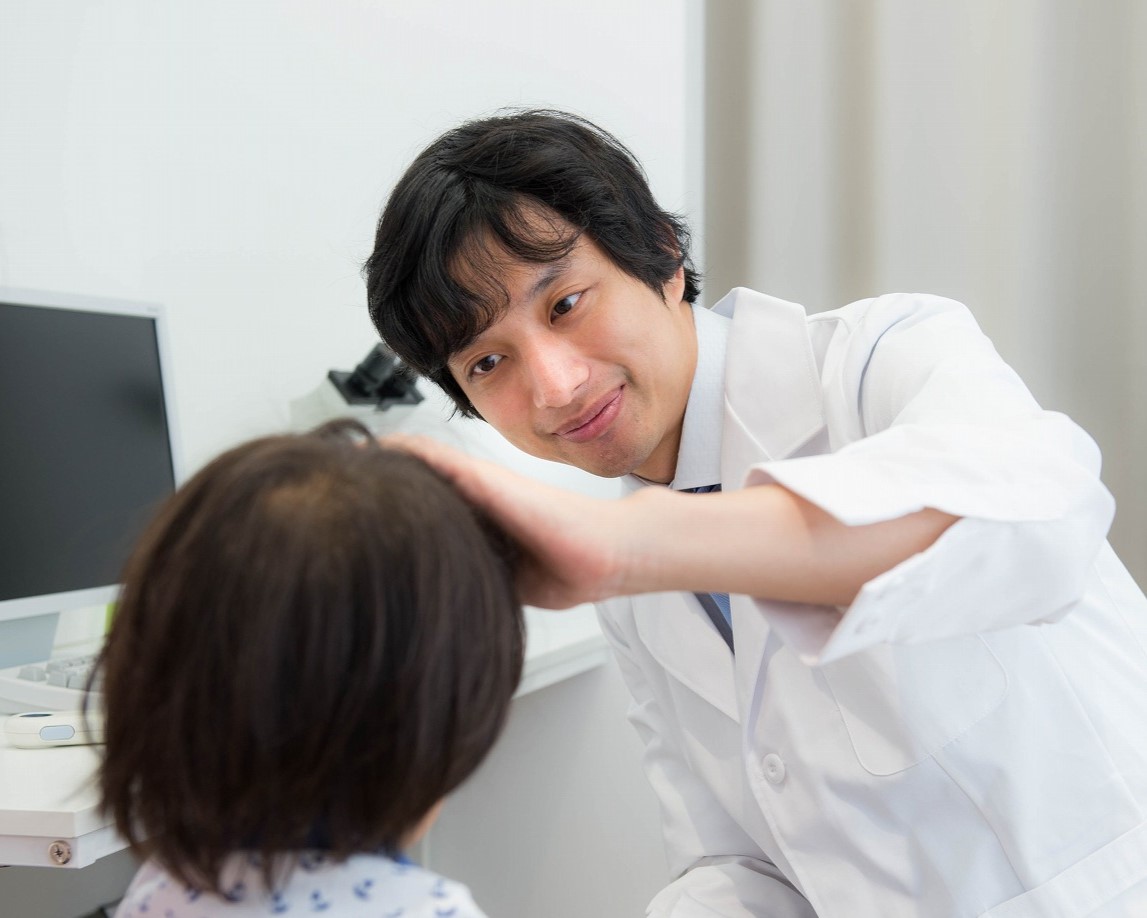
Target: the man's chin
pixel 605 466
pixel 602 461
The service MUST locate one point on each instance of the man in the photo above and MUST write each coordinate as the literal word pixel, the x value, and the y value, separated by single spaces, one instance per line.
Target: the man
pixel 892 668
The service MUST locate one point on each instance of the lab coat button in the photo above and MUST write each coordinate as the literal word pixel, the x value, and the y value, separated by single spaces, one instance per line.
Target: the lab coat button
pixel 774 768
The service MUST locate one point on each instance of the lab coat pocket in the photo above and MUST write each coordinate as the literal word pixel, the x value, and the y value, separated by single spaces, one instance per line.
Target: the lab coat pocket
pixel 1107 884
pixel 900 703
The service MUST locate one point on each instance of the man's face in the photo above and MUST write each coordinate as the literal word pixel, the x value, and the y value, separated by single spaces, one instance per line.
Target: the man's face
pixel 587 366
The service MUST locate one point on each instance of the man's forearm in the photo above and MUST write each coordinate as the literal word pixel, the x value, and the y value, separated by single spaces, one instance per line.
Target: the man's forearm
pixel 761 541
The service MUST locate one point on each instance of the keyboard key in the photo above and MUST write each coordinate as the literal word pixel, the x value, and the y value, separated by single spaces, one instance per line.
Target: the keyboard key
pixel 78 678
pixel 56 685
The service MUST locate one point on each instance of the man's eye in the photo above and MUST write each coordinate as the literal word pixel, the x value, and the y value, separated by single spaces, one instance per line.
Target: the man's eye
pixel 485 365
pixel 566 303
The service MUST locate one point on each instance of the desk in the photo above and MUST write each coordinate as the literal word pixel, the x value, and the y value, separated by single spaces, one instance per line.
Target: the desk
pixel 48 803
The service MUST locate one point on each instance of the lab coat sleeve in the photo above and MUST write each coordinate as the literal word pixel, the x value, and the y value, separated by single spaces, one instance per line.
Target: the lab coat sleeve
pixel 719 870
pixel 931 416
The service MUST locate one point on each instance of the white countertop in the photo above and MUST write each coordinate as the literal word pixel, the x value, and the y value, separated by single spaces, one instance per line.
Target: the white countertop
pixel 47 796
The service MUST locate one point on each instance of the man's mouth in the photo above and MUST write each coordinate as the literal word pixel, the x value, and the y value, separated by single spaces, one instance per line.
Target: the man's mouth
pixel 595 421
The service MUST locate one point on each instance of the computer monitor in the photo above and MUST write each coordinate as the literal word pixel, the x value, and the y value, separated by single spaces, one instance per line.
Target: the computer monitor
pixel 87 451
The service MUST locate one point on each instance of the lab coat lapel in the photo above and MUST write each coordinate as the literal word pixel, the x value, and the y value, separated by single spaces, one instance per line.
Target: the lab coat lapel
pixel 773 406
pixel 773 401
pixel 683 640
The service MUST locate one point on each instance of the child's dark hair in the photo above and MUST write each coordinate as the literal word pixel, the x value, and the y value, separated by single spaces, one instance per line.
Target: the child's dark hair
pixel 432 279
pixel 316 641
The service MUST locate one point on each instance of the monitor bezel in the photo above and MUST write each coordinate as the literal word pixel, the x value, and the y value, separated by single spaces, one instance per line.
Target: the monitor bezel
pixel 48 603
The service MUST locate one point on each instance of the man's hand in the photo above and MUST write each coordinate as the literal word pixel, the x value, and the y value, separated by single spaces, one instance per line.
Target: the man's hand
pixel 570 553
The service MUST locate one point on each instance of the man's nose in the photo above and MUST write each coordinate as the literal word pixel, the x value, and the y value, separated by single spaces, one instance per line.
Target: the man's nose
pixel 557 370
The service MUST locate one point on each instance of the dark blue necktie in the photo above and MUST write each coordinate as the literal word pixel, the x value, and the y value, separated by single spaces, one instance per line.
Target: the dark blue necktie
pixel 716 605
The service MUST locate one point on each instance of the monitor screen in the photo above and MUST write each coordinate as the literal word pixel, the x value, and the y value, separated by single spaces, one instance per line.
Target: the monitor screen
pixel 85 445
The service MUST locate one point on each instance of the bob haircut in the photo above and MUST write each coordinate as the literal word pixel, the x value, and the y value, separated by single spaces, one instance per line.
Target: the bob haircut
pixel 527 184
pixel 317 640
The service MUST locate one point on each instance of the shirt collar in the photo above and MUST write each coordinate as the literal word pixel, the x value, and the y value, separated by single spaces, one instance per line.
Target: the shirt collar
pixel 699 455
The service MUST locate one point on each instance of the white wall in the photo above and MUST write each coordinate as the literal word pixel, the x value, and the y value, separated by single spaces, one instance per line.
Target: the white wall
pixel 229 161
pixel 557 823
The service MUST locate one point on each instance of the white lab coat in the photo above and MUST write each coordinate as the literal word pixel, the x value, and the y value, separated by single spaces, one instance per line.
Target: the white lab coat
pixel 969 737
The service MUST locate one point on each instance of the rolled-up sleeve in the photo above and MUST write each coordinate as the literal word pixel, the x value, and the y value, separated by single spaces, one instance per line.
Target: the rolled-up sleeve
pixel 924 413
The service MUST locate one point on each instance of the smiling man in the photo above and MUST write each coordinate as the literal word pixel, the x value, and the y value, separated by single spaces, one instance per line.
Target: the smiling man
pixel 585 365
pixel 860 667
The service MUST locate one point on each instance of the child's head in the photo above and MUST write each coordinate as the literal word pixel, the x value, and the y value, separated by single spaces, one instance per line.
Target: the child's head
pixel 317 640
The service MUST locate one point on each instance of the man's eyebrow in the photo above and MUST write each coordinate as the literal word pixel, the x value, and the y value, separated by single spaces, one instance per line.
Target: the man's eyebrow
pixel 552 273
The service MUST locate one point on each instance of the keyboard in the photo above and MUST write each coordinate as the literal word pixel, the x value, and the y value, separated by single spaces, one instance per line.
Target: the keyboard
pixel 51 685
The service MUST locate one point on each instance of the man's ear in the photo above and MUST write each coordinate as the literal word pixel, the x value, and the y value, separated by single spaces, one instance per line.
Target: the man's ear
pixel 673 290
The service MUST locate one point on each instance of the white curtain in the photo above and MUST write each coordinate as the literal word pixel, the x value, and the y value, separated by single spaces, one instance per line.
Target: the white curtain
pixel 994 152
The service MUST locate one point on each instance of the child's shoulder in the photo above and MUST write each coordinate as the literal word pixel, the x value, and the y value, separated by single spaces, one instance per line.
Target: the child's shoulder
pixel 362 885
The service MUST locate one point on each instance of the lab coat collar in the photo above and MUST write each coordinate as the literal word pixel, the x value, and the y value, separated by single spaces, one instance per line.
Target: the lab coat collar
pixel 698 458
pixel 755 390
pixel 772 393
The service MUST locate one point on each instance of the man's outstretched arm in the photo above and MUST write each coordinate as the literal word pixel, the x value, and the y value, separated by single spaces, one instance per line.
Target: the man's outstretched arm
pixel 761 541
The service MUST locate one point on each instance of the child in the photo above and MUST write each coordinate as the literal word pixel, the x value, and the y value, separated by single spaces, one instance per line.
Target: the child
pixel 317 640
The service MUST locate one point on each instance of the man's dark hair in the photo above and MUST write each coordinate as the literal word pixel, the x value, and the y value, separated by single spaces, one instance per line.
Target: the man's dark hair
pixel 317 640
pixel 432 279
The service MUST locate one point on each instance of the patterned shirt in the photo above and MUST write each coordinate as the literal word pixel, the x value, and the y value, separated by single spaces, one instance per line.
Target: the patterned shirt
pixel 363 885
